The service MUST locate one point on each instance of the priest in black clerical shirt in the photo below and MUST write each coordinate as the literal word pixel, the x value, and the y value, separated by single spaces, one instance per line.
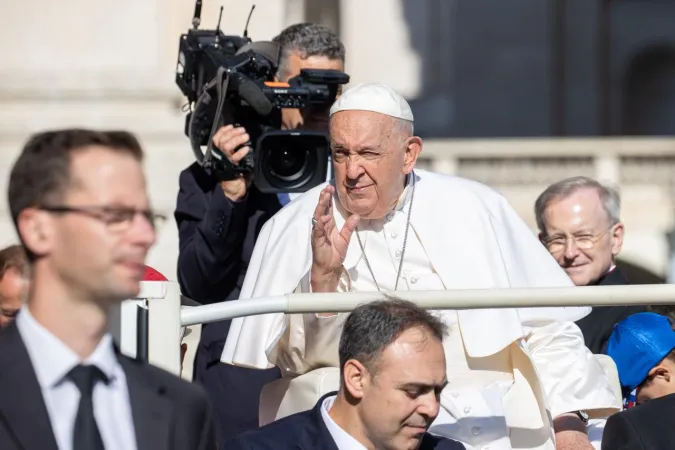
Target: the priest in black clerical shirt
pixel 579 223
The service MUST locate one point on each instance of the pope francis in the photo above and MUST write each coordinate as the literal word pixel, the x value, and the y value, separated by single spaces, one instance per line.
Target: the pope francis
pixel 517 378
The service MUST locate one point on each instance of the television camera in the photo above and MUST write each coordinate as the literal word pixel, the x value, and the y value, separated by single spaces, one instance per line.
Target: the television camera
pixel 231 80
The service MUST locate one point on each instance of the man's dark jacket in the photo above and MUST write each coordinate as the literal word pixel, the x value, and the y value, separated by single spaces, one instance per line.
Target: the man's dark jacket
pixel 216 239
pixel 308 431
pixel 598 325
pixel 168 412
pixel 645 427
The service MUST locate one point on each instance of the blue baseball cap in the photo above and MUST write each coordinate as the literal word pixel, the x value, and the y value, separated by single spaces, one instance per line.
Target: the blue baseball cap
pixel 638 344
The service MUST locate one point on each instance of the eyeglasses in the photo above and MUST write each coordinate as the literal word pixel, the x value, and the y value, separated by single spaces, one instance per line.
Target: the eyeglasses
pixel 117 218
pixel 585 241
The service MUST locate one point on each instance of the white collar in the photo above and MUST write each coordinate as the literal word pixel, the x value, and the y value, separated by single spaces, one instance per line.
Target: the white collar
pixel 354 253
pixel 52 359
pixel 343 440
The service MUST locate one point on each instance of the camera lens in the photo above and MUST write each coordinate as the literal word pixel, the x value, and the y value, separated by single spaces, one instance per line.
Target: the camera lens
pixel 288 164
pixel 290 161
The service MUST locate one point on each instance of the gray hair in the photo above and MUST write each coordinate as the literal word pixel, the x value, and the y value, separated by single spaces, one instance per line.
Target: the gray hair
pixel 373 327
pixel 405 127
pixel 307 39
pixel 609 197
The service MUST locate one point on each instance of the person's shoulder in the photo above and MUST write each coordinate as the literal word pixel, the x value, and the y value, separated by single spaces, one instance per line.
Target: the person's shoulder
pixel 275 435
pixel 179 390
pixel 301 206
pixel 195 177
pixel 659 406
pixel 453 188
pixel 431 442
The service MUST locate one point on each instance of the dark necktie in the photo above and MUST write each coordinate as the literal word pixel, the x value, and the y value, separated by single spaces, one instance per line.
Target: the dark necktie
pixel 85 433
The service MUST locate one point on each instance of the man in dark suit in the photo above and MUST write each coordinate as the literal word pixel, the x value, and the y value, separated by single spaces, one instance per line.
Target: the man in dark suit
pixel 645 427
pixel 643 347
pixel 219 222
pixel 579 223
pixel 79 202
pixel 392 373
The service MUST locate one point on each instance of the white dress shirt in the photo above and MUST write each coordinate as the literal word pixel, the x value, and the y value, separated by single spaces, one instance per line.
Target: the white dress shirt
pixel 52 360
pixel 343 440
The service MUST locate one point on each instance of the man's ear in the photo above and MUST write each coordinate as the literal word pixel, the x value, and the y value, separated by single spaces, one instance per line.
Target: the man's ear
pixel 661 371
pixel 617 238
pixel 35 230
pixel 355 378
pixel 412 152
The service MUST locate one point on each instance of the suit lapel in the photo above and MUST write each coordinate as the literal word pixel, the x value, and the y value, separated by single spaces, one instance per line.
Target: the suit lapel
pixel 317 435
pixel 22 407
pixel 150 408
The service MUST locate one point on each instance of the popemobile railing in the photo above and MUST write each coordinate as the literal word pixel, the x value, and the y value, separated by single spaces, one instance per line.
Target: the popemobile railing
pixel 154 322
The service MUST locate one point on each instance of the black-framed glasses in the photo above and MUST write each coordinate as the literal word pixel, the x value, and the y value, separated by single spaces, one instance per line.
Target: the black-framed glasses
pixel 117 218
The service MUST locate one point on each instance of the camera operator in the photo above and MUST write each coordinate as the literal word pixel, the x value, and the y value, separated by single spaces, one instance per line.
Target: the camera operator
pixel 218 223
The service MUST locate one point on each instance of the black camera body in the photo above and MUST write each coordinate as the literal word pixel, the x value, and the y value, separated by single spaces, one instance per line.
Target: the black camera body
pixel 231 80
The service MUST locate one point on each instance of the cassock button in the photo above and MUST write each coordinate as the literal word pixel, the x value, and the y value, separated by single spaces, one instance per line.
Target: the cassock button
pixel 475 431
pixel 394 235
pixel 455 394
pixel 398 253
pixel 413 280
pixel 467 409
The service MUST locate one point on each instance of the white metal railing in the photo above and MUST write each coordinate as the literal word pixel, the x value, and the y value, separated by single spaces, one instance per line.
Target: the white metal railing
pixel 662 294
pixel 167 317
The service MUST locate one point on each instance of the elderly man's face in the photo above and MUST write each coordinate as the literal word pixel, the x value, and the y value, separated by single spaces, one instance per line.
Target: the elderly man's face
pixel 371 158
pixel 579 236
pixel 402 398
pixel 13 289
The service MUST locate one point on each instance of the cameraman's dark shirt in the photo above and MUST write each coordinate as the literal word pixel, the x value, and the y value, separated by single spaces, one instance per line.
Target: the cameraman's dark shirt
pixel 216 239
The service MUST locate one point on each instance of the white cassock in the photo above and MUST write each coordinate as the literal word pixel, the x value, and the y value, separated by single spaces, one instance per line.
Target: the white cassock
pixel 509 370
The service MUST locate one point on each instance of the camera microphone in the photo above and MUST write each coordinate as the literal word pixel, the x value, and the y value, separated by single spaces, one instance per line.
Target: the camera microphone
pixel 249 91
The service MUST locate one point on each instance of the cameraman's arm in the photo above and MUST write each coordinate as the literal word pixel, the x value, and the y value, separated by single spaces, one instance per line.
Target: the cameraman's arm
pixel 212 224
pixel 211 231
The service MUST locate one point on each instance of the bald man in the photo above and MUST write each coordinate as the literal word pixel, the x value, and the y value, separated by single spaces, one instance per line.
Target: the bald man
pixel 382 225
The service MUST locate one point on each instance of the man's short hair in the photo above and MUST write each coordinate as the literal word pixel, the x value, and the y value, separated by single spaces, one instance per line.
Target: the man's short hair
pixel 373 327
pixel 14 257
pixel 307 39
pixel 610 198
pixel 41 174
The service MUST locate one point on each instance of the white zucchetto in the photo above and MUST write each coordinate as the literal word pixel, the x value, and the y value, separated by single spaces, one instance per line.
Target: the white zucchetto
pixel 374 97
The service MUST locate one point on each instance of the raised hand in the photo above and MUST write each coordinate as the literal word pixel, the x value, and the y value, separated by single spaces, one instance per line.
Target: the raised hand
pixel 329 245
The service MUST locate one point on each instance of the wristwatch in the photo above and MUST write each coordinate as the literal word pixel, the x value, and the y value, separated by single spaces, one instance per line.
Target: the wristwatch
pixel 582 415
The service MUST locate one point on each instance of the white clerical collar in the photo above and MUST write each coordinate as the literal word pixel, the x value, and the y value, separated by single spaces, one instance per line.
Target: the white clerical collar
pixel 343 440
pixel 403 201
pixel 354 253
